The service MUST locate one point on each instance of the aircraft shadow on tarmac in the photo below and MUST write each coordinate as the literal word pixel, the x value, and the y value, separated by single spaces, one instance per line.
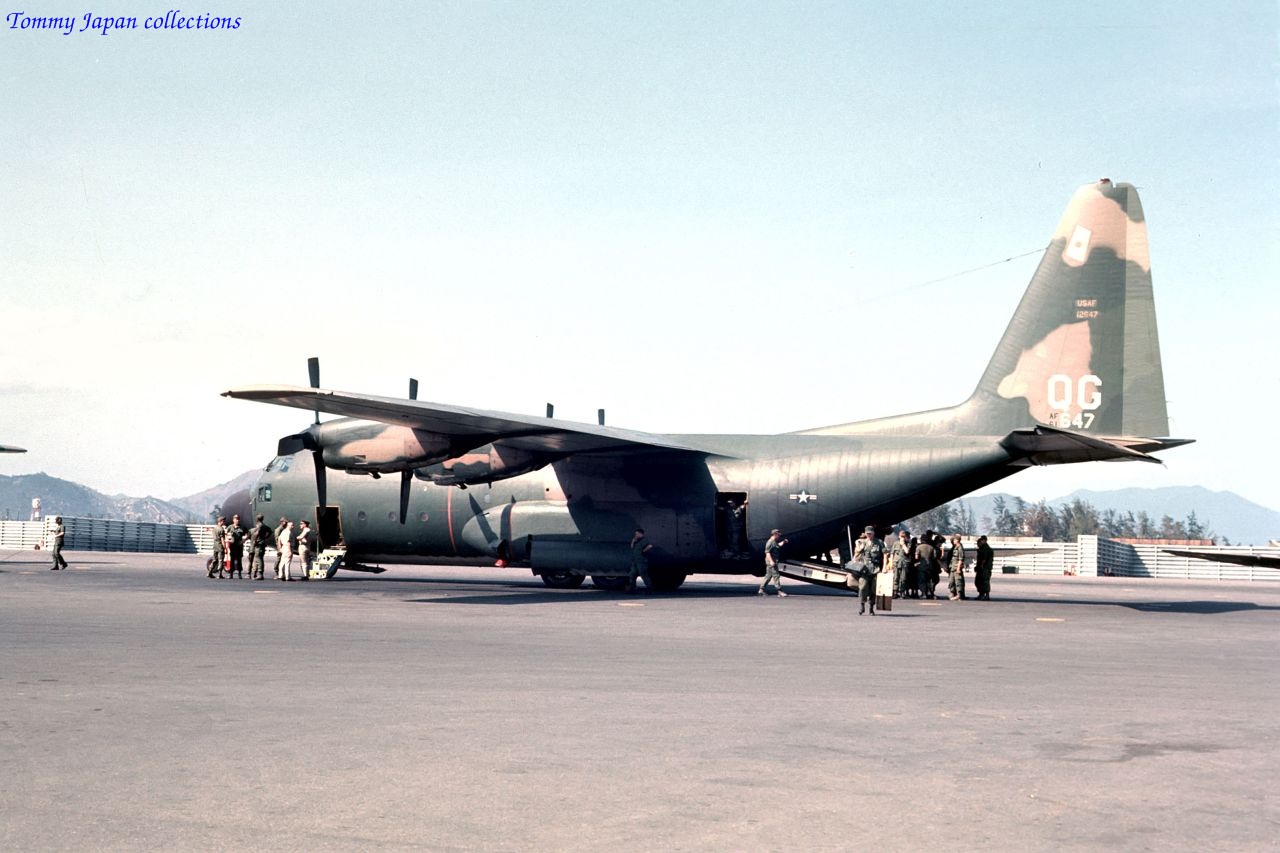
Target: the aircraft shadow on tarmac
pixel 1198 608
pixel 534 593
pixel 590 597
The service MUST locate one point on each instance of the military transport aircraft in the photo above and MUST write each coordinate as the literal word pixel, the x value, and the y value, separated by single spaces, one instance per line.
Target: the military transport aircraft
pixel 1076 378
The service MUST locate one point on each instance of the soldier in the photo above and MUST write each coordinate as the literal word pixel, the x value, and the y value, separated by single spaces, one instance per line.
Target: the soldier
pixel 913 582
pixel 868 561
pixel 219 547
pixel 284 551
pixel 235 548
pixel 58 536
pixel 772 547
pixel 982 569
pixel 736 516
pixel 640 548
pixel 926 565
pixel 306 547
pixel 938 543
pixel 900 559
pixel 259 538
pixel 956 567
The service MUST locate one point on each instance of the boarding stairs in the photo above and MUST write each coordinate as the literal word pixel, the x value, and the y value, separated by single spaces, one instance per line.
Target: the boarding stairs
pixel 816 572
pixel 326 563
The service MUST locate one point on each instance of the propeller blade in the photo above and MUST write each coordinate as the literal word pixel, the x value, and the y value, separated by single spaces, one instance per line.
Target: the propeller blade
pixel 291 444
pixel 406 481
pixel 413 389
pixel 313 371
pixel 321 489
pixel 551 410
pixel 600 416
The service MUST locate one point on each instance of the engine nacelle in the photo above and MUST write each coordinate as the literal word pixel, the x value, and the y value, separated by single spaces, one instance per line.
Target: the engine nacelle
pixel 484 465
pixel 375 447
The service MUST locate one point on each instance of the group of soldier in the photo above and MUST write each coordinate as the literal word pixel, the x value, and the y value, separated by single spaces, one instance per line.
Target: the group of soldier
pixel 916 564
pixel 908 568
pixel 231 540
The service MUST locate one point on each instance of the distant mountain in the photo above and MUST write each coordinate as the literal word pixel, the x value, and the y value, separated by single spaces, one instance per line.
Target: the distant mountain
pixel 201 504
pixel 63 497
pixel 1225 513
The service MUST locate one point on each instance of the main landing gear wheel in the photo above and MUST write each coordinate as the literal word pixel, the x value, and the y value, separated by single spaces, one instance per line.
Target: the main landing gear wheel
pixel 563 580
pixel 666 581
pixel 609 583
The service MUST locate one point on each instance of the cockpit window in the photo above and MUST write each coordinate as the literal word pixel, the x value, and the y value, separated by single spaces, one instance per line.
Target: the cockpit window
pixel 279 465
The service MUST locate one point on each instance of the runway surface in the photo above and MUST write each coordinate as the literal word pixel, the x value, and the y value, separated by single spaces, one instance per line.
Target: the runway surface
pixel 144 706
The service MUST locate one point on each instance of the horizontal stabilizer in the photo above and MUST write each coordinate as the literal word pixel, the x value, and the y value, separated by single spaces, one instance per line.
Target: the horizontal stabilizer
pixel 1044 445
pixel 1261 561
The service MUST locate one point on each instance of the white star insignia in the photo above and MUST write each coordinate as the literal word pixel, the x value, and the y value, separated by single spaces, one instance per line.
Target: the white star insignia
pixel 803 498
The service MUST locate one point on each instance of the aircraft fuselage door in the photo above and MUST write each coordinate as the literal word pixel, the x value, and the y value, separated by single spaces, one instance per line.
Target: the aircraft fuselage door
pixel 329 526
pixel 731 524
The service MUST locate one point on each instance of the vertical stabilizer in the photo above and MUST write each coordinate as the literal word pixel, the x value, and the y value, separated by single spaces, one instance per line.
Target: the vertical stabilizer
pixel 1081 351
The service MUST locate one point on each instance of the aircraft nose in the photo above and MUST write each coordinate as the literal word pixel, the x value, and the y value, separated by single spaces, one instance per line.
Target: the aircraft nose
pixel 237 503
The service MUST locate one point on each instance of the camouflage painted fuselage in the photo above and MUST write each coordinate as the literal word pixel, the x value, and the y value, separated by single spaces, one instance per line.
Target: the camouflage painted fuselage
pixel 578 514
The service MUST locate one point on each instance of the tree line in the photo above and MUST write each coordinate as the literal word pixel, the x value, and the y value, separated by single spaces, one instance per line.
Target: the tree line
pixel 1059 524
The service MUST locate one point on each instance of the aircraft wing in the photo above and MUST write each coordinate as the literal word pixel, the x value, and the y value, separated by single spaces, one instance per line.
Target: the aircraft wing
pixel 5 448
pixel 524 432
pixel 1263 561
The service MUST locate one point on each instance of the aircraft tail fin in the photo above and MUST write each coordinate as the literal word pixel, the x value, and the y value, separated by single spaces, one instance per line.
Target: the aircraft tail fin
pixel 1081 352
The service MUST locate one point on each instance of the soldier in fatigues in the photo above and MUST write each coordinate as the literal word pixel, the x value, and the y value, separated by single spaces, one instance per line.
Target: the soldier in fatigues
pixel 736 518
pixel 259 537
pixel 58 536
pixel 772 550
pixel 900 560
pixel 640 548
pixel 938 542
pixel 219 547
pixel 868 561
pixel 956 567
pixel 926 565
pixel 982 569
pixel 235 547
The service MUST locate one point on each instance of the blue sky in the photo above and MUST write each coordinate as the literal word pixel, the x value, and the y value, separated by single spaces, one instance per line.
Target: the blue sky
pixel 707 217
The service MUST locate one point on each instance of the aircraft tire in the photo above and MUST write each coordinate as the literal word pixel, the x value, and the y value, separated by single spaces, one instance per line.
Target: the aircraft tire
pixel 609 583
pixel 667 581
pixel 562 580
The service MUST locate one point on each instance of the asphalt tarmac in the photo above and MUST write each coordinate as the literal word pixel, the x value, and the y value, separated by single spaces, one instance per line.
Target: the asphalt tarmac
pixel 143 706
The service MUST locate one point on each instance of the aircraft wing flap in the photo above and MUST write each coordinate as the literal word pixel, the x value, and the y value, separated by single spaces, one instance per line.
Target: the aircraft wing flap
pixel 525 432
pixel 1045 445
